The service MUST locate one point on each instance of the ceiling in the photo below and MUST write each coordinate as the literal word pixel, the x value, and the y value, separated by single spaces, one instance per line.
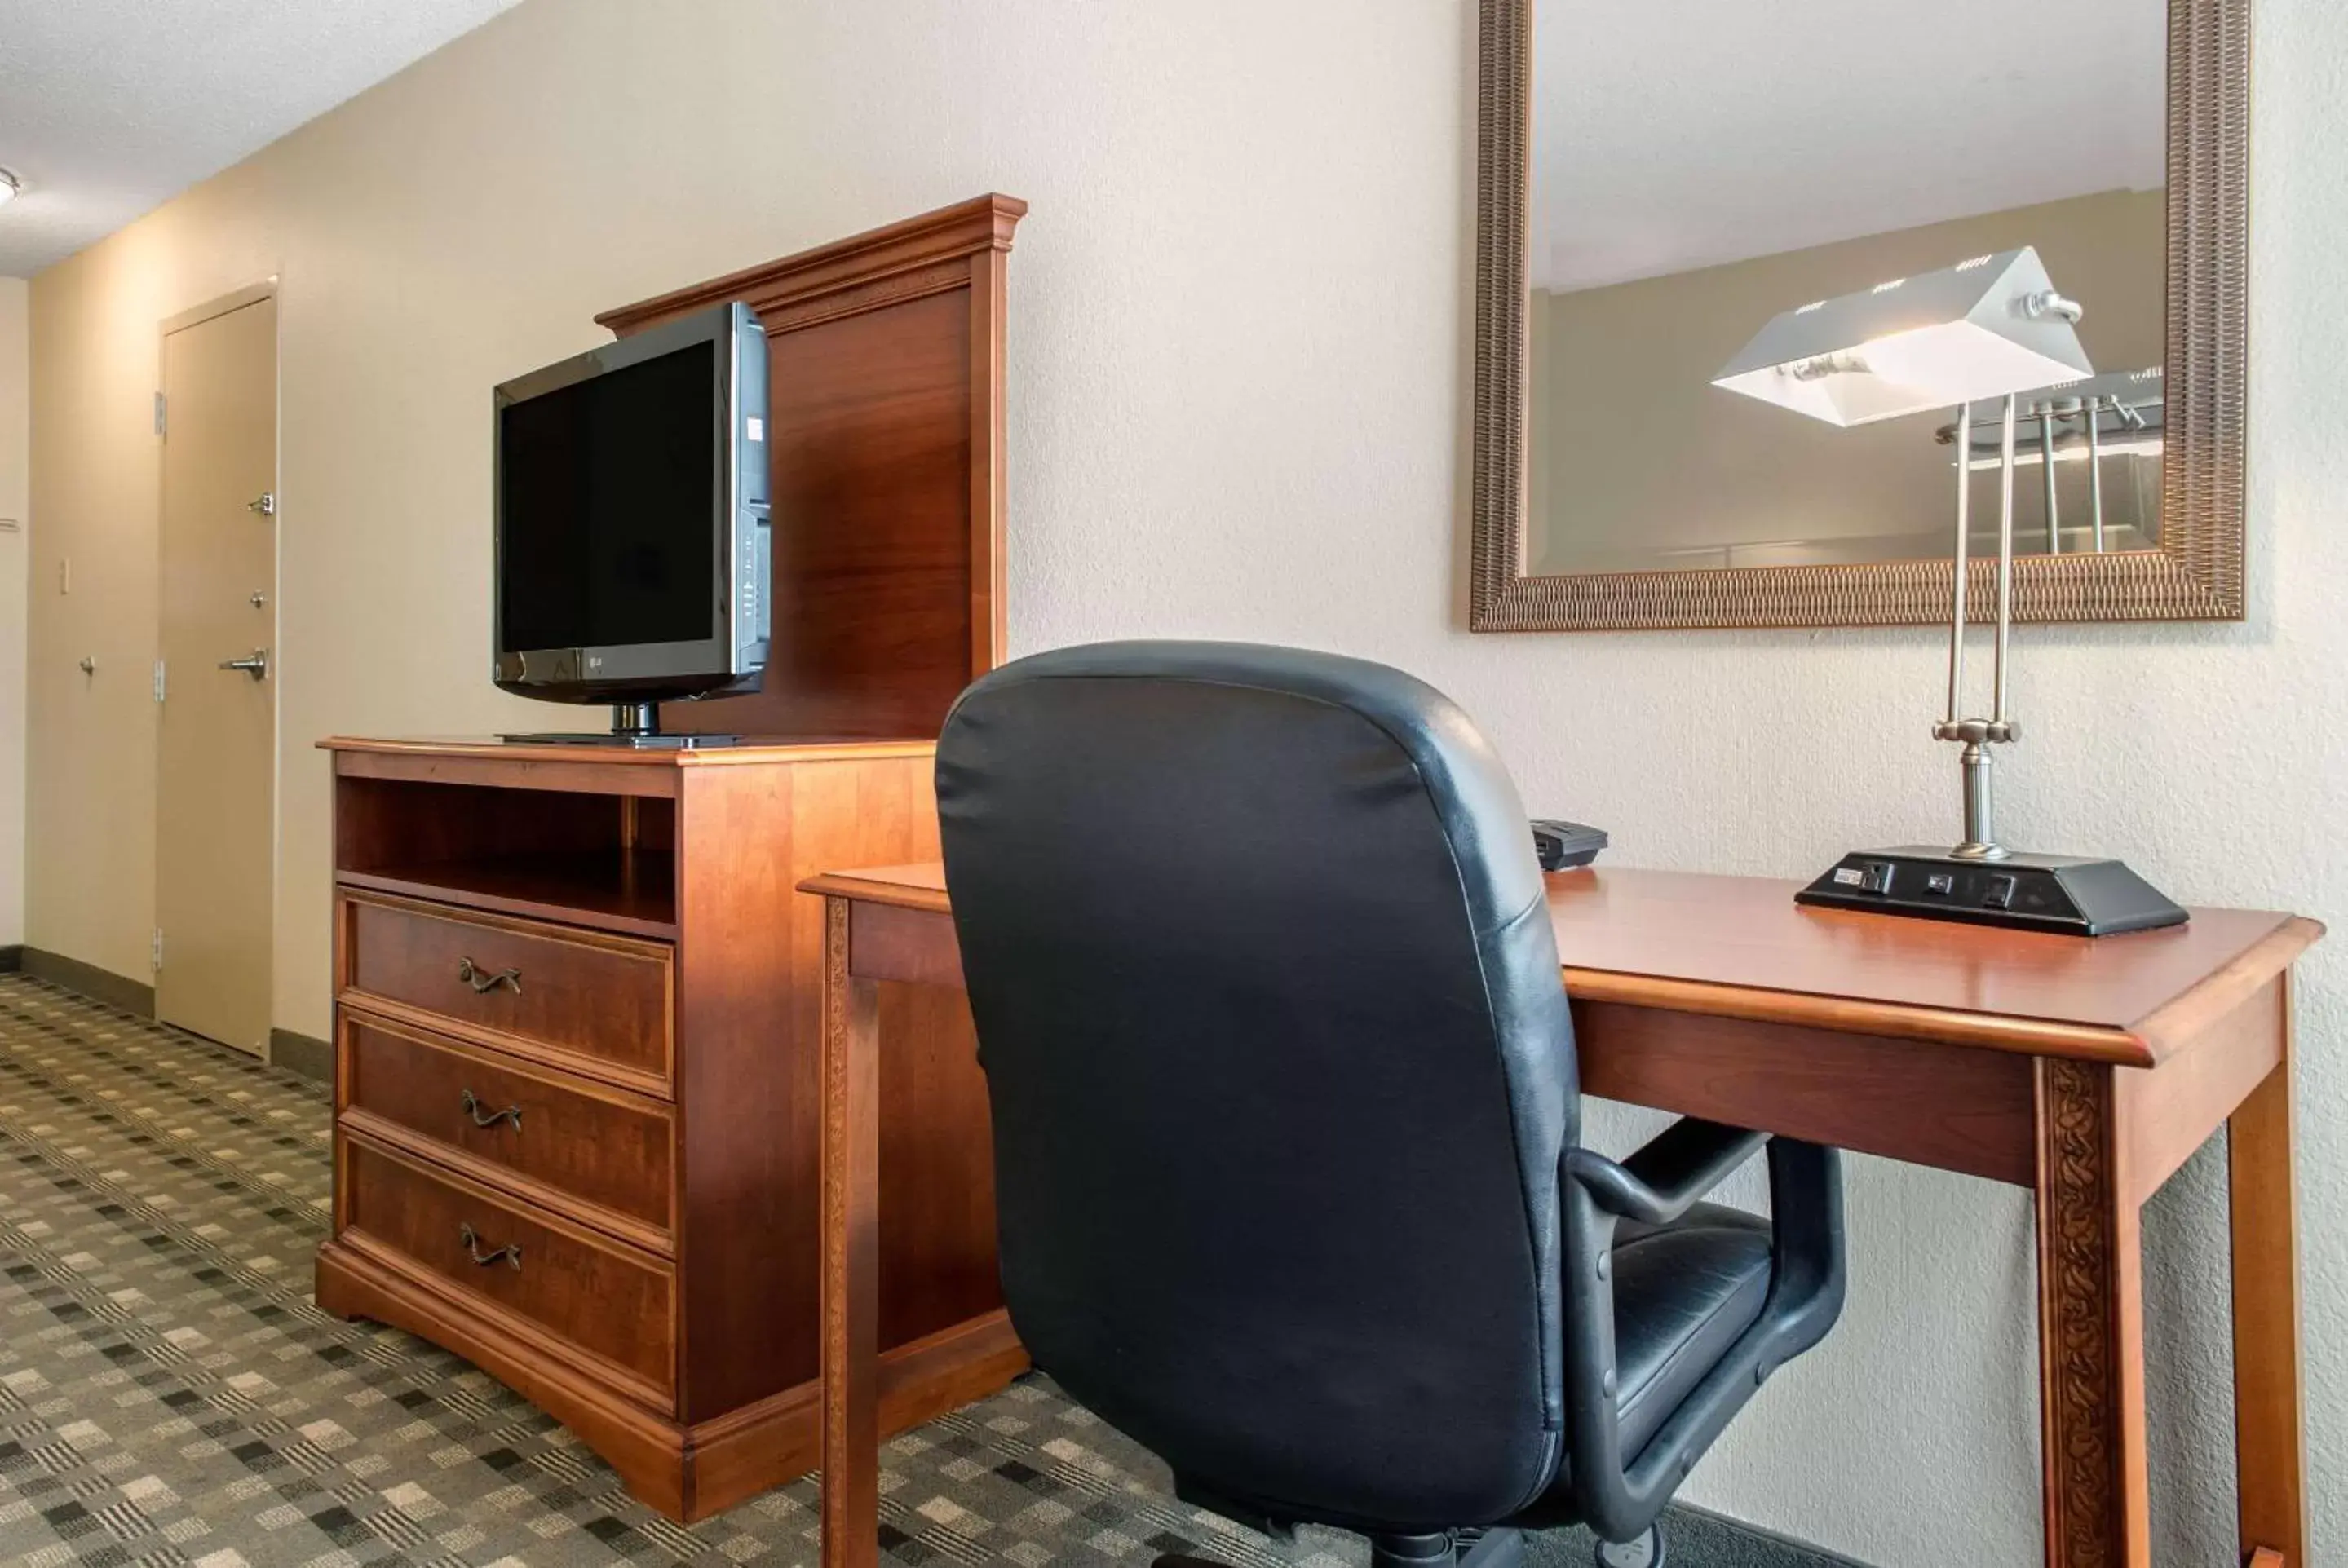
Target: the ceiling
pixel 109 108
pixel 1676 134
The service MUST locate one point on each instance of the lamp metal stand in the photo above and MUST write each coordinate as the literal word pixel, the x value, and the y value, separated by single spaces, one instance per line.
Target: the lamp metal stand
pixel 1980 881
pixel 1977 735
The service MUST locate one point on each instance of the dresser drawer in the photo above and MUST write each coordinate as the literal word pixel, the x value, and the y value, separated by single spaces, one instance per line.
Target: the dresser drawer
pixel 599 998
pixel 602 1297
pixel 606 1148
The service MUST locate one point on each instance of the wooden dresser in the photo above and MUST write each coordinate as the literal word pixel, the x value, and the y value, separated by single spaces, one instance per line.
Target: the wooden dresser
pixel 577 1099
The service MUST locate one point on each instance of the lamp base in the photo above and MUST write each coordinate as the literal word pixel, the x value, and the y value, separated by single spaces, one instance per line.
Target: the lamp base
pixel 2065 893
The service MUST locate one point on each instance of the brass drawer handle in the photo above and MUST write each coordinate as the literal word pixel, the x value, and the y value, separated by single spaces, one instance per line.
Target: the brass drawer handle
pixel 483 982
pixel 508 1254
pixel 474 1108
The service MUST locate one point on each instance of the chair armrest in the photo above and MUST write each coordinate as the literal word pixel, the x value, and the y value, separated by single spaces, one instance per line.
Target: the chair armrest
pixel 1618 1494
pixel 1664 1179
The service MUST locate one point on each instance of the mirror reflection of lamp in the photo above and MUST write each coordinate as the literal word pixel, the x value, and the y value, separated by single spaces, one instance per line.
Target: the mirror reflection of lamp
pixel 1991 328
pixel 2121 414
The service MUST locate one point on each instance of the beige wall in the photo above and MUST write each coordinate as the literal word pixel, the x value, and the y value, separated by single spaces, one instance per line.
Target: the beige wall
pixel 14 545
pixel 1648 459
pixel 1238 380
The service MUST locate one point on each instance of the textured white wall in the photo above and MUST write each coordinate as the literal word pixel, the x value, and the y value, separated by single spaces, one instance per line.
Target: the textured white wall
pixel 15 437
pixel 1238 383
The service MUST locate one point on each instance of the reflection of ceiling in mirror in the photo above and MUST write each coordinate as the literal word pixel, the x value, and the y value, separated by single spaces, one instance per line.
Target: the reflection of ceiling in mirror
pixel 1674 134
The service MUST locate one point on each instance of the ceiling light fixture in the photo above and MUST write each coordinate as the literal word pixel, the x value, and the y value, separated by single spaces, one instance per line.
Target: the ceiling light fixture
pixel 9 186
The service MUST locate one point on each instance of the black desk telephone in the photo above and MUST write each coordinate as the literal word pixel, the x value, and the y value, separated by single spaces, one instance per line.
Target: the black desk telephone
pixel 1561 845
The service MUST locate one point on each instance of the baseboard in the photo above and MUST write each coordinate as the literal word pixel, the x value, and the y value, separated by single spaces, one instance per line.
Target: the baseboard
pixel 1695 1538
pixel 303 1053
pixel 98 985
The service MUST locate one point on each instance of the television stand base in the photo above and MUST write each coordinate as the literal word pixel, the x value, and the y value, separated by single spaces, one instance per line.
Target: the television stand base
pixel 660 742
pixel 635 725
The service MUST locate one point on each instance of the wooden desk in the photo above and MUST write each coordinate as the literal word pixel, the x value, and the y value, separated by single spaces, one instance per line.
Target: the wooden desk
pixel 2084 1070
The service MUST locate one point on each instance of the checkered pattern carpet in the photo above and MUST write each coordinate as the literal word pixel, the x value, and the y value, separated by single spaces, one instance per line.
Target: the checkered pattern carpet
pixel 170 1396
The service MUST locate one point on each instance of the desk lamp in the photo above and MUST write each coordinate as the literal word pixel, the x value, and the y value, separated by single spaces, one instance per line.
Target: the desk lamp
pixel 1991 328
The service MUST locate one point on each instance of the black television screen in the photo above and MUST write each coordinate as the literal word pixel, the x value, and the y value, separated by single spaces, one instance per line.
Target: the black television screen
pixel 605 494
pixel 631 544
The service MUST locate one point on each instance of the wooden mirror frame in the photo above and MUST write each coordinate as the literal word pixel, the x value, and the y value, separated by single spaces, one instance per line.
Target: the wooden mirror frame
pixel 2197 574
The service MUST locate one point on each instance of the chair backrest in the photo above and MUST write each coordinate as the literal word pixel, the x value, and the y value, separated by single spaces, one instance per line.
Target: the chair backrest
pixel 1281 1068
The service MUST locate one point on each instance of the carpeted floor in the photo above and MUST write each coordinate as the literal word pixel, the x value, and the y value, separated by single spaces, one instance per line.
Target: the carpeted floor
pixel 170 1396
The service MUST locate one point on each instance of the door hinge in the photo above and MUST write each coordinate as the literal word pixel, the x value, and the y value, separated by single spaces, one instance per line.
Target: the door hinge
pixel 159 420
pixel 158 949
pixel 158 679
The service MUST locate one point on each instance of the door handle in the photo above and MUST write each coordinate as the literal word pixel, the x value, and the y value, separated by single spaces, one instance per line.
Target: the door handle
pixel 471 1241
pixel 473 1108
pixel 483 982
pixel 255 664
pixel 264 505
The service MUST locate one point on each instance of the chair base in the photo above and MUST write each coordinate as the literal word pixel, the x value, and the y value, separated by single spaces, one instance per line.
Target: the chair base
pixel 1646 1551
pixel 1495 1548
pixel 1498 1547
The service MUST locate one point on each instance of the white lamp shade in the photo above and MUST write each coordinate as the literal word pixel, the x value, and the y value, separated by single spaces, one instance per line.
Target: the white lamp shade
pixel 1965 334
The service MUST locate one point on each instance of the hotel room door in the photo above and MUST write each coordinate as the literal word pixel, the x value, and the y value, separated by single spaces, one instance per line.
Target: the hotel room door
pixel 216 797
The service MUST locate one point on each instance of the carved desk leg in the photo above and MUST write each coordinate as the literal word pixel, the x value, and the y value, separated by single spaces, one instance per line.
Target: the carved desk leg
pixel 851 1306
pixel 2270 1431
pixel 2090 1326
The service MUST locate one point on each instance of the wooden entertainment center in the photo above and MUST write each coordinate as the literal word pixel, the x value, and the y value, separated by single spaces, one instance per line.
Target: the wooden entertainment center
pixel 578 1014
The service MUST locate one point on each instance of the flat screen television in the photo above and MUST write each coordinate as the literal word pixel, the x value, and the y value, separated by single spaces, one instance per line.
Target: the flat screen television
pixel 634 549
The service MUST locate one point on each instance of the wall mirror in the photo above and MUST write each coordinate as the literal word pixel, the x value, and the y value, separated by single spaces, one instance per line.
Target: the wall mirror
pixel 1658 181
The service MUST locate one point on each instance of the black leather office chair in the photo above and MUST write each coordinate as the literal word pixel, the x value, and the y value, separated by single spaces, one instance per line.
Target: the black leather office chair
pixel 1286 1120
